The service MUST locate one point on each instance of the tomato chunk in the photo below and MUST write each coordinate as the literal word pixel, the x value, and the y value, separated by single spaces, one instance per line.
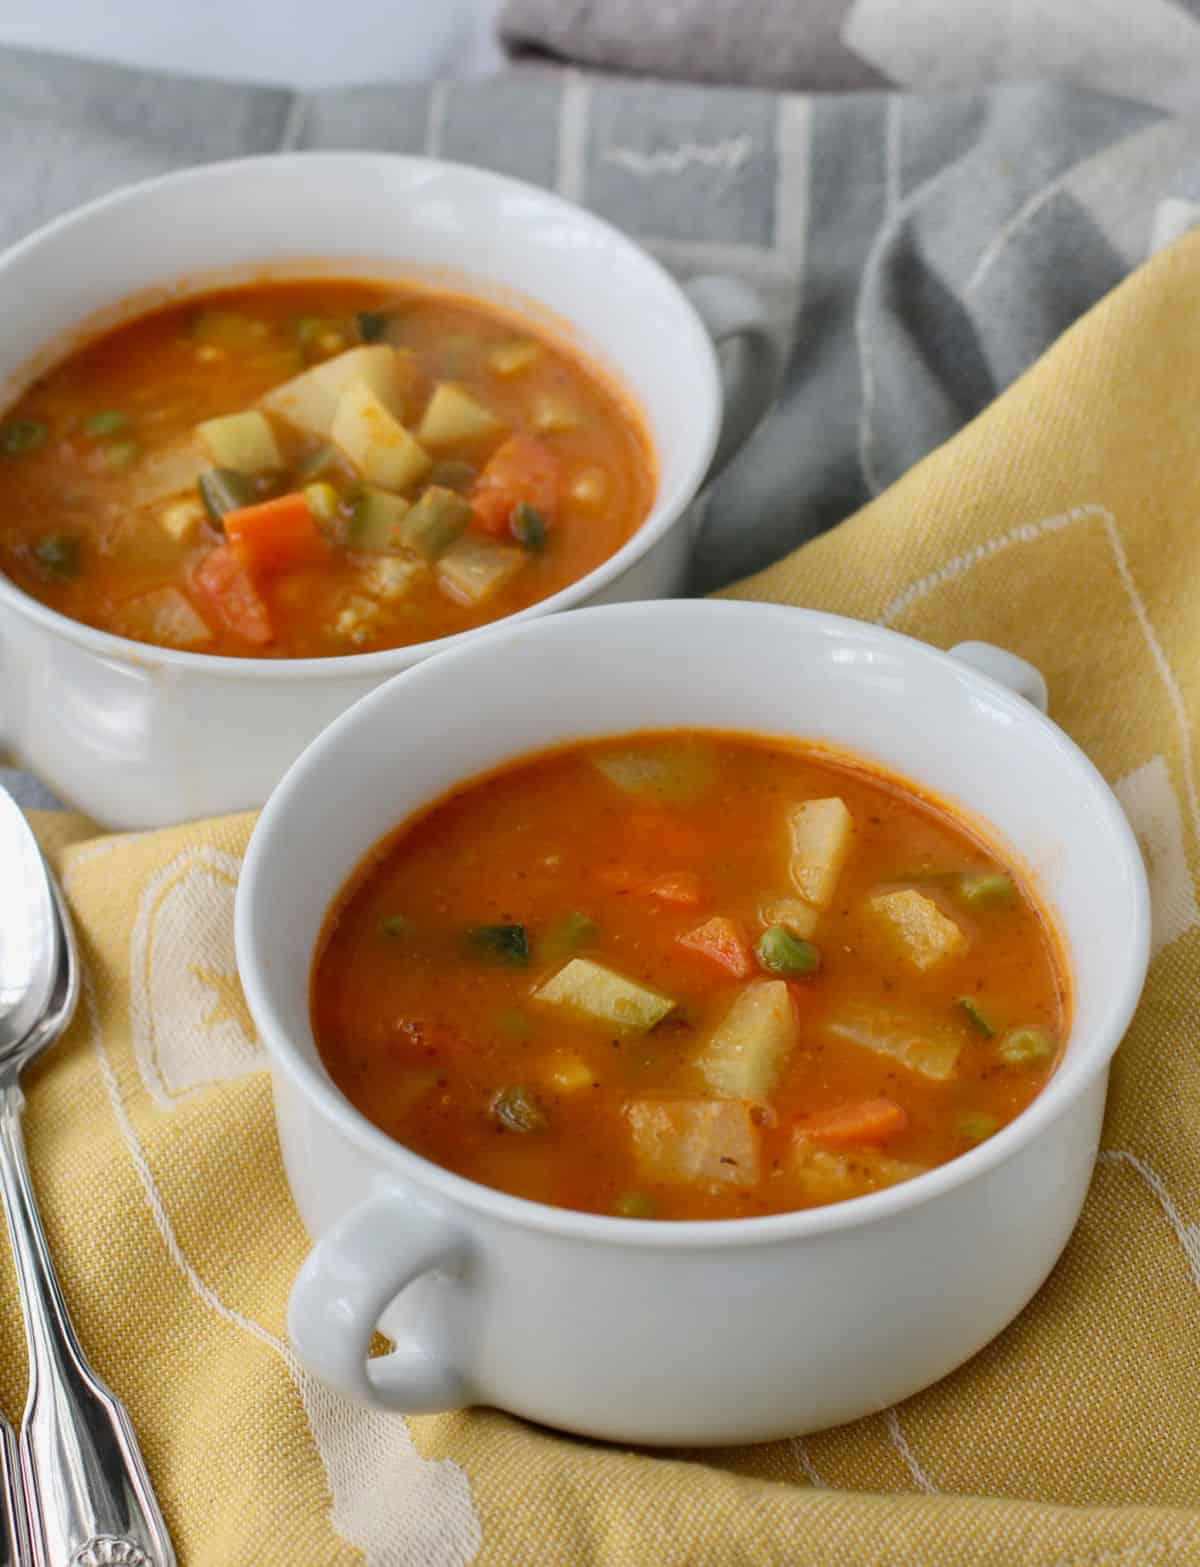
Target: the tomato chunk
pixel 523 469
pixel 721 941
pixel 225 583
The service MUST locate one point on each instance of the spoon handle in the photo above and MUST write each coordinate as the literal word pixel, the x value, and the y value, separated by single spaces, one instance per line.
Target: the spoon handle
pixel 89 1496
pixel 14 1546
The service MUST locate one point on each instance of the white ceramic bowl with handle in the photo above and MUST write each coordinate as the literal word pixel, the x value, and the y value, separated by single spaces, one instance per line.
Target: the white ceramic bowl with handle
pixel 140 736
pixel 697 1332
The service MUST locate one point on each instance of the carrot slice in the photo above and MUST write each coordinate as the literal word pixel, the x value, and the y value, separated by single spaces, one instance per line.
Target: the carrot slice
pixel 722 942
pixel 871 1121
pixel 682 887
pixel 225 583
pixel 275 536
pixel 522 469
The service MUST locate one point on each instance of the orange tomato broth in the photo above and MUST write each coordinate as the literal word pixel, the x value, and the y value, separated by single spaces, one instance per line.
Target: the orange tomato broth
pixel 106 491
pixel 421 1035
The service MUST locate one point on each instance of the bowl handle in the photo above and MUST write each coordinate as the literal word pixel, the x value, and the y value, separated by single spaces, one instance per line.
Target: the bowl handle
pixel 730 308
pixel 348 1280
pixel 1006 668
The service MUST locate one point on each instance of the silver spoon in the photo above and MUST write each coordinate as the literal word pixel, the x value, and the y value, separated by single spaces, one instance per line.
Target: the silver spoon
pixel 87 1493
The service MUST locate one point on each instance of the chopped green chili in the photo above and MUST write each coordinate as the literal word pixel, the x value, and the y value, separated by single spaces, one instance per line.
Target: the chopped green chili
pixel 976 1016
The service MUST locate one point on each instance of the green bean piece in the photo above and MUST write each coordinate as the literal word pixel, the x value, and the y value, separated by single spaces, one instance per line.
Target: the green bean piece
pixel 120 454
pixel 19 436
pixel 396 925
pixel 976 1126
pixel 571 934
pixel 636 1205
pixel 57 555
pixel 507 944
pixel 224 490
pixel 315 466
pixel 517 1110
pixel 109 421
pixel 372 324
pixel 782 953
pixel 1024 1046
pixel 451 474
pixel 514 1024
pixel 985 889
pixel 529 527
pixel 977 1018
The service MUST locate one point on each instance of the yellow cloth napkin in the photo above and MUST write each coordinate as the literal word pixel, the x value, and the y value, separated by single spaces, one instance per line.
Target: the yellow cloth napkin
pixel 1064 524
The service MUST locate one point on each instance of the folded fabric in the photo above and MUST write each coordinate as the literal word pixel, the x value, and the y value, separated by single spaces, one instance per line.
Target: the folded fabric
pixel 827 45
pixel 1060 524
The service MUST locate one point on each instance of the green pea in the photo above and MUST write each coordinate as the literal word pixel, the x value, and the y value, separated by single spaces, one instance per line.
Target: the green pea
pixel 109 421
pixel 396 925
pixel 636 1205
pixel 18 436
pixel 985 889
pixel 58 556
pixel 976 1126
pixel 1023 1046
pixel 782 953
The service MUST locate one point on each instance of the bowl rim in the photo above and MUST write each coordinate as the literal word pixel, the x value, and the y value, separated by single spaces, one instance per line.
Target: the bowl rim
pixel 666 512
pixel 1061 1092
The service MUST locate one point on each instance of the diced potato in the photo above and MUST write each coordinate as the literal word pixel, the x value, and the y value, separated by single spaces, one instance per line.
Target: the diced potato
pixel 694 1141
pixel 827 1176
pixel 474 569
pixel 181 519
pixel 930 1047
pixel 392 577
pixel 310 401
pixel 918 928
pixel 375 522
pixel 165 616
pixel 376 443
pixel 792 913
pixel 742 1058
pixel 569 1073
pixel 552 414
pixel 602 994
pixel 822 832
pixel 590 486
pixel 434 523
pixel 512 358
pixel 163 474
pixel 245 442
pixel 673 774
pixel 357 620
pixel 454 416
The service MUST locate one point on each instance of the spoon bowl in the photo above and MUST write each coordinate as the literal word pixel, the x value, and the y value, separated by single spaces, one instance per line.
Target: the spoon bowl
pixel 31 935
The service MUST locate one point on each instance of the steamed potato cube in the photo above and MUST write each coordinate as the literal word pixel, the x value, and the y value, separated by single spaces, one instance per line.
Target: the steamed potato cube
pixel 602 994
pixel 742 1058
pixel 926 1046
pixel 569 1073
pixel 180 519
pixel 917 928
pixel 793 914
pixel 824 1175
pixel 821 835
pixel 392 577
pixel 165 616
pixel 694 1141
pixel 552 414
pixel 244 442
pixel 473 569
pixel 163 474
pixel 673 774
pixel 375 442
pixel 454 416
pixel 310 401
pixel 513 357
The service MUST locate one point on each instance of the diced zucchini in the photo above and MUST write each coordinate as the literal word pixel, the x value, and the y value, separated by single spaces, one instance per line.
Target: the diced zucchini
pixel 552 414
pixel 602 994
pixel 821 832
pixel 164 616
pixel 917 927
pixel 694 1141
pixel 742 1059
pixel 376 443
pixel 310 400
pixel 675 774
pixel 393 577
pixel 434 523
pixel 454 416
pixel 824 1175
pixel 375 521
pixel 513 357
pixel 927 1046
pixel 474 568
pixel 244 442
pixel 793 914
pixel 181 519
pixel 223 490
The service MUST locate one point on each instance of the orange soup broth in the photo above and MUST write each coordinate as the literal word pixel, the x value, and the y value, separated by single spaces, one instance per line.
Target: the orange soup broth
pixel 535 840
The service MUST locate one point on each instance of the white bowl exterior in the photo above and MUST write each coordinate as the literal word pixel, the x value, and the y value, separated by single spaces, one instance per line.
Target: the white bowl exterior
pixel 71 713
pixel 822 1316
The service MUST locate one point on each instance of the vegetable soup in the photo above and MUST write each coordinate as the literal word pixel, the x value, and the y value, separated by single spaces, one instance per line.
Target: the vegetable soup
pixel 298 470
pixel 688 976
